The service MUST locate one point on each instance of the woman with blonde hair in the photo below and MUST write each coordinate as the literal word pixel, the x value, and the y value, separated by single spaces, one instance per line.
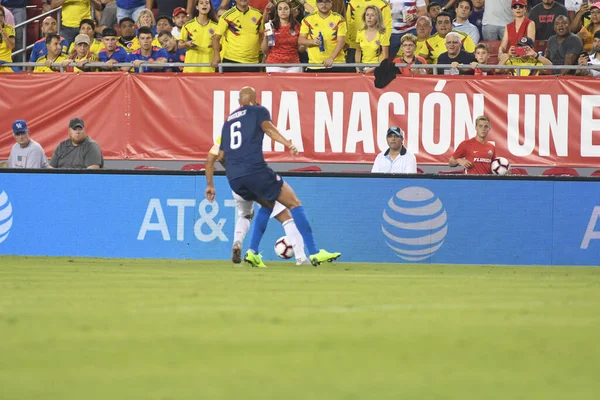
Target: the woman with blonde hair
pixel 371 41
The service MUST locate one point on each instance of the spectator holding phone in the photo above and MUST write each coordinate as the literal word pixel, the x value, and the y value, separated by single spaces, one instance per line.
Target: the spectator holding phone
pixel 591 59
pixel 524 55
pixel 589 29
pixel 521 26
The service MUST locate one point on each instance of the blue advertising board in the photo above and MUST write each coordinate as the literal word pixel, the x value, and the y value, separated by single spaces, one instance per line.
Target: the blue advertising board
pixel 368 219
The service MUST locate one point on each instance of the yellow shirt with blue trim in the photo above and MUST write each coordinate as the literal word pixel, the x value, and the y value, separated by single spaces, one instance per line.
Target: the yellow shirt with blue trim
pixel 436 45
pixel 242 32
pixel 354 18
pixel 331 27
pixel 201 36
pixel 518 62
pixel 73 11
pixel 5 52
pixel 371 49
pixel 43 59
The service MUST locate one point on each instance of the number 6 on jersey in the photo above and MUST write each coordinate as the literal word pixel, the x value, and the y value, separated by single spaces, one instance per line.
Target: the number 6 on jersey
pixel 236 136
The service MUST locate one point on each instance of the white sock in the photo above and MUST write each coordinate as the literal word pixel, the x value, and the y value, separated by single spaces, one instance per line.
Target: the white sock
pixel 295 238
pixel 242 226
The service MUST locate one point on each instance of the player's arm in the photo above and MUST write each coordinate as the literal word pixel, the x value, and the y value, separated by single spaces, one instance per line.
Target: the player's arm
pixel 271 131
pixel 209 170
pixel 458 157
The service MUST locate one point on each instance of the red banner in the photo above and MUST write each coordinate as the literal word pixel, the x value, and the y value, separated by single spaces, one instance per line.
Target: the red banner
pixel 331 118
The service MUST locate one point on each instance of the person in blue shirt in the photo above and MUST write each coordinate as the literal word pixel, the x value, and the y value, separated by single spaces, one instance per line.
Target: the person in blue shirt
pixel 112 53
pixel 130 8
pixel 175 54
pixel 49 27
pixel 476 16
pixel 147 53
pixel 251 178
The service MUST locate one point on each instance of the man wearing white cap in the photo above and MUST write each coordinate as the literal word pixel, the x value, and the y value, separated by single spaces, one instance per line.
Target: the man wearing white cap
pixel 397 159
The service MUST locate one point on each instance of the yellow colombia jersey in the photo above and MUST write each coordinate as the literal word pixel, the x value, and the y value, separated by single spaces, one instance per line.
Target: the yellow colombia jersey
pixel 93 58
pixel 242 32
pixel 517 61
pixel 214 150
pixel 73 11
pixel 43 59
pixel 95 47
pixel 354 18
pixel 331 28
pixel 201 36
pixel 5 52
pixel 436 45
pixel 371 50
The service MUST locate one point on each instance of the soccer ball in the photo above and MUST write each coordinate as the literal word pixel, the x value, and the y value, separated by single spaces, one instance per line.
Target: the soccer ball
pixel 283 248
pixel 500 166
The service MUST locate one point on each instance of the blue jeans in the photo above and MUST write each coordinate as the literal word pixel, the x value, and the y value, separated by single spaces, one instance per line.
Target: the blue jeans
pixel 129 12
pixel 493 32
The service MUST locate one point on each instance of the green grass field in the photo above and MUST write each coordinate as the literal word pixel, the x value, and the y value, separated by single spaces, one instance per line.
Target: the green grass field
pixel 157 329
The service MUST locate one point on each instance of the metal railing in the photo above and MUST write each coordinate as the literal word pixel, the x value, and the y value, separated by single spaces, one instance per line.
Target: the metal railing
pixel 433 67
pixel 36 18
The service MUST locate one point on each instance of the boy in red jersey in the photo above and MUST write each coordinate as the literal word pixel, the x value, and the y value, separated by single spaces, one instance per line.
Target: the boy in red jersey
pixel 475 155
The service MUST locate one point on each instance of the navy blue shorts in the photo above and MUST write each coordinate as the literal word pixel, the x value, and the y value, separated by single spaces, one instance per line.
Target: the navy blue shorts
pixel 264 184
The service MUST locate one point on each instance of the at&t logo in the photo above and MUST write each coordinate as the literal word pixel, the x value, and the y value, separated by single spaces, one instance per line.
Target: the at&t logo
pixel 414 223
pixel 5 216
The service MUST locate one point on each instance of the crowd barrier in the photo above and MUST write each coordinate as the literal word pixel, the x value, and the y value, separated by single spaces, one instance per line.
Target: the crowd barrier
pixel 409 219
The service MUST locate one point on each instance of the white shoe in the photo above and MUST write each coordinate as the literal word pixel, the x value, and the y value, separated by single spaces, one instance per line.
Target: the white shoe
pixel 303 261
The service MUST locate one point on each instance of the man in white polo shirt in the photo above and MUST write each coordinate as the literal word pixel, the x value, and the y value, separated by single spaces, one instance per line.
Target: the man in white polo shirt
pixel 26 153
pixel 397 159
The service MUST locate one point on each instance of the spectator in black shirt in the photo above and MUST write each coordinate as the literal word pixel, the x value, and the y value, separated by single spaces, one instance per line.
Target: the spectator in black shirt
pixel 454 56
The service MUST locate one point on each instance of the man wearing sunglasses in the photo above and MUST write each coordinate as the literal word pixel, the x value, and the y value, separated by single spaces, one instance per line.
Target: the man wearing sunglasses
pixel 26 153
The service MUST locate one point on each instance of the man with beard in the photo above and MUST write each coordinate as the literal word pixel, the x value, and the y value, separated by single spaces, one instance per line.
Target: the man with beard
pixel 79 151
pixel 565 47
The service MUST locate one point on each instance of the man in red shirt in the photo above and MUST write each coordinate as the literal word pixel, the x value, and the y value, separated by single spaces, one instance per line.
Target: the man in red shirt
pixel 475 155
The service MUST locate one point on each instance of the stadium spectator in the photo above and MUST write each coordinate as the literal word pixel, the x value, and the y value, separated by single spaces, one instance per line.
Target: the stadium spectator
pixel 403 20
pixel 520 27
pixel 147 53
pixel 436 44
pixel 130 8
pixel 146 19
pixel 73 12
pixel 196 35
pixel 26 153
pixel 54 55
pixel 82 55
pixel 18 10
pixel 355 22
pixel 164 23
pixel 180 17
pixel 455 56
pixel 108 17
pixel 475 155
pixel 284 46
pixel 482 55
pixel 324 34
pixel 79 151
pixel 167 7
pixel 462 24
pixel 49 26
pixel 127 40
pixel 544 15
pixel 112 52
pixel 174 53
pixel 496 16
pixel 476 17
pixel 396 159
pixel 579 14
pixel 241 27
pixel 88 27
pixel 408 46
pixel 524 55
pixel 372 41
pixel 433 10
pixel 592 59
pixel 565 47
pixel 7 41
pixel 588 30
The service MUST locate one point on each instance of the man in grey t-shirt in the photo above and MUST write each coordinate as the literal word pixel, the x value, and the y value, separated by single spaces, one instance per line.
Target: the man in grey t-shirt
pixel 79 151
pixel 26 153
pixel 565 47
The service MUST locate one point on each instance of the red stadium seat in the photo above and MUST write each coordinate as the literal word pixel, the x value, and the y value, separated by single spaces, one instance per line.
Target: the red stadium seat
pixel 149 167
pixel 458 171
pixel 494 46
pixel 310 168
pixel 518 171
pixel 420 171
pixel 540 45
pixel 560 171
pixel 595 173
pixel 193 167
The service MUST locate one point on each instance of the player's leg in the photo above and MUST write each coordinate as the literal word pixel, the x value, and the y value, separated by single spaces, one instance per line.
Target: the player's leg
pixel 283 215
pixel 288 198
pixel 258 230
pixel 245 213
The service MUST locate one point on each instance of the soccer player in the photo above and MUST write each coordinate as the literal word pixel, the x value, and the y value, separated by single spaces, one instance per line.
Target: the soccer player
pixel 251 178
pixel 475 155
pixel 245 213
pixel 197 36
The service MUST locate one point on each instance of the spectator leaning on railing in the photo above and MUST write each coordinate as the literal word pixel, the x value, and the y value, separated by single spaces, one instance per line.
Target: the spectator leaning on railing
pixel 524 54
pixel 88 27
pixel 355 22
pixel 408 45
pixel 565 47
pixel 112 53
pixel 147 53
pixel 54 55
pixel 127 40
pixel 436 44
pixel 175 54
pixel 482 55
pixel 82 55
pixel 592 59
pixel 197 36
pixel 455 56
pixel 280 41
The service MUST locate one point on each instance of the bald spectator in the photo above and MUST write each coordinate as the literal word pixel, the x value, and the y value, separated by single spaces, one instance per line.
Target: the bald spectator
pixel 49 27
pixel 26 153
pixel 565 47
pixel 79 151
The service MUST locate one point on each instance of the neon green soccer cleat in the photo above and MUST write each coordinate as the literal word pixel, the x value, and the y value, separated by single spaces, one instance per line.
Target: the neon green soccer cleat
pixel 255 260
pixel 323 256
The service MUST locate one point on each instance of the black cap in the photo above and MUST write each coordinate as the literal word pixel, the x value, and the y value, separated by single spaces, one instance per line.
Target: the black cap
pixel 526 41
pixel 76 123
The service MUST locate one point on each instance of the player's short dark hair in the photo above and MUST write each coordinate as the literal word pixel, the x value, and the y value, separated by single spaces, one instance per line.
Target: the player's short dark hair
pixel 433 4
pixel 50 37
pixel 169 20
pixel 443 14
pixel 126 19
pixel 89 22
pixel 109 32
pixel 165 33
pixel 145 29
